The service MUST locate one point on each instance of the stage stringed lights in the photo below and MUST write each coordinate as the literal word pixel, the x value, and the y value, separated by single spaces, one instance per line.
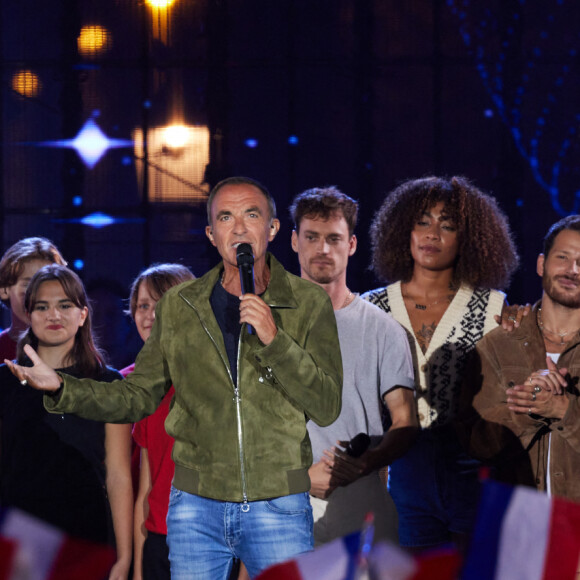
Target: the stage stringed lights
pixel 533 87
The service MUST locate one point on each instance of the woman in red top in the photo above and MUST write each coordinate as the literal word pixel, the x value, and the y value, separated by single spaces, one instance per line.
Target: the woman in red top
pixel 156 468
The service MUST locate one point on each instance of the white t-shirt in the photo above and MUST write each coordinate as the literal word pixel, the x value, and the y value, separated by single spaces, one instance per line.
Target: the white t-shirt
pixel 375 358
pixel 554 356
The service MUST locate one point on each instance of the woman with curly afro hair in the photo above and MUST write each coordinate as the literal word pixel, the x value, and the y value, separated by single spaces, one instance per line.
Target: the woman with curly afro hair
pixel 444 246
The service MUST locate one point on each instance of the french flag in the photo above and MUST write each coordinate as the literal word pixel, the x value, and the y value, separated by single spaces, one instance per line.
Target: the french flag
pixel 335 560
pixel 33 550
pixel 341 560
pixel 523 534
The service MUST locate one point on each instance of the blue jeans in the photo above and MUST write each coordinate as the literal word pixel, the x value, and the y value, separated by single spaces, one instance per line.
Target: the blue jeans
pixel 435 487
pixel 204 535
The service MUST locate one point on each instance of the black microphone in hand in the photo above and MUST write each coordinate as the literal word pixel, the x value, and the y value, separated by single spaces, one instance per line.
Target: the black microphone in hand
pixel 245 260
pixel 358 445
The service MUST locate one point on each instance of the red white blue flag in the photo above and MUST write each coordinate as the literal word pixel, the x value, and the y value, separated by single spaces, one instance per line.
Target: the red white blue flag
pixel 523 534
pixel 340 560
pixel 33 550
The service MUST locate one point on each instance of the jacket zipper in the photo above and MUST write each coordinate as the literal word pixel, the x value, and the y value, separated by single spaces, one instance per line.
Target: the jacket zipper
pixel 237 400
pixel 245 506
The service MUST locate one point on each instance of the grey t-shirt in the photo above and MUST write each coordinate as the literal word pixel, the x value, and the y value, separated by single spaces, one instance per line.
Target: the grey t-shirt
pixel 375 358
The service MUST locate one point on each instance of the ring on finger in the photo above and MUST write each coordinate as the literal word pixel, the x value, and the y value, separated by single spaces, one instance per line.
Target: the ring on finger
pixel 530 411
pixel 534 396
pixel 530 381
pixel 537 389
pixel 511 317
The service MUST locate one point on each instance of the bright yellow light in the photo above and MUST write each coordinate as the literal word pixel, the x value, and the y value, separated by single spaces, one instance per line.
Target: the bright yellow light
pixel 94 40
pixel 26 83
pixel 160 3
pixel 160 19
pixel 176 136
pixel 177 157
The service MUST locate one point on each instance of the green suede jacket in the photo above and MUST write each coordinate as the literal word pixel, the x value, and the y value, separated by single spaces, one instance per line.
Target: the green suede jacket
pixel 241 442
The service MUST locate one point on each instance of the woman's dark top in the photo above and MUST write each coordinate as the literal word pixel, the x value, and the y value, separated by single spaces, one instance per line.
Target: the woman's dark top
pixel 53 466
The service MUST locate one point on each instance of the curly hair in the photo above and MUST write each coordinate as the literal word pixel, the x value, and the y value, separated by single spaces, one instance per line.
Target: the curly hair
pixel 324 202
pixel 487 256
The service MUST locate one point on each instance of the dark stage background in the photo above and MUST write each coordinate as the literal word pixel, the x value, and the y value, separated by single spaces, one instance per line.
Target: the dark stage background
pixel 359 94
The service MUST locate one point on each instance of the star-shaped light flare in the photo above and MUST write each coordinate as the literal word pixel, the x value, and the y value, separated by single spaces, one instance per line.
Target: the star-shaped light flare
pixel 90 143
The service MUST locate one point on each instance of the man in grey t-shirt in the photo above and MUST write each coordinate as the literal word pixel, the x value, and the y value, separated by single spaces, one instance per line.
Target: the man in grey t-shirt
pixel 377 396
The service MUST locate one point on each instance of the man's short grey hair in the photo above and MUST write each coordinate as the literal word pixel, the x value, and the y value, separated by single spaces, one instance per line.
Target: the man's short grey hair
pixel 241 181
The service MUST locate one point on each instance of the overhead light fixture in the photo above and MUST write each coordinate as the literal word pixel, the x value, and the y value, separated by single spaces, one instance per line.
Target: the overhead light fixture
pixel 26 83
pixel 177 156
pixel 160 4
pixel 94 40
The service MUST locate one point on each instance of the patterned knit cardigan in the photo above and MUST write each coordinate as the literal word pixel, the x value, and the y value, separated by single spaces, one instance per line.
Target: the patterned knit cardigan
pixel 439 371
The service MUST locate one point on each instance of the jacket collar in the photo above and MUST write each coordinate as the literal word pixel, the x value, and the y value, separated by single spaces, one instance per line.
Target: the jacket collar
pixel 279 293
pixel 529 329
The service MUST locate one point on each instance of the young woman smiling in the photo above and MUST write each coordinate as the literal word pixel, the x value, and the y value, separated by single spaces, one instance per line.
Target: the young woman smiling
pixel 70 472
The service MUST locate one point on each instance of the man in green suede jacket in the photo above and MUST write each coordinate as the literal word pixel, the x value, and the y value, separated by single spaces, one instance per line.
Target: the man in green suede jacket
pixel 242 451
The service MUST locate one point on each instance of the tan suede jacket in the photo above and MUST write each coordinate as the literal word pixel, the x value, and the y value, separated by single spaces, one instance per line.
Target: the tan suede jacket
pixel 517 445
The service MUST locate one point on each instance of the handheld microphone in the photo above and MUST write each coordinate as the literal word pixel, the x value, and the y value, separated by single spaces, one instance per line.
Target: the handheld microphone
pixel 358 445
pixel 245 260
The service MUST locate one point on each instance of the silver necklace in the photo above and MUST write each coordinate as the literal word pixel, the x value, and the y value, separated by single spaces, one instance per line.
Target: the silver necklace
pixel 347 300
pixel 543 330
pixel 425 306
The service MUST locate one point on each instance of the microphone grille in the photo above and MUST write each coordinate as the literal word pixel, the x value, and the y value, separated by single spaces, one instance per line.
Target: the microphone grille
pixel 244 255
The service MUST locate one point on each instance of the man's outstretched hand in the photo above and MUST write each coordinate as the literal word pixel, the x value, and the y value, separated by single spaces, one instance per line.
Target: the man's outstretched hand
pixel 40 375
